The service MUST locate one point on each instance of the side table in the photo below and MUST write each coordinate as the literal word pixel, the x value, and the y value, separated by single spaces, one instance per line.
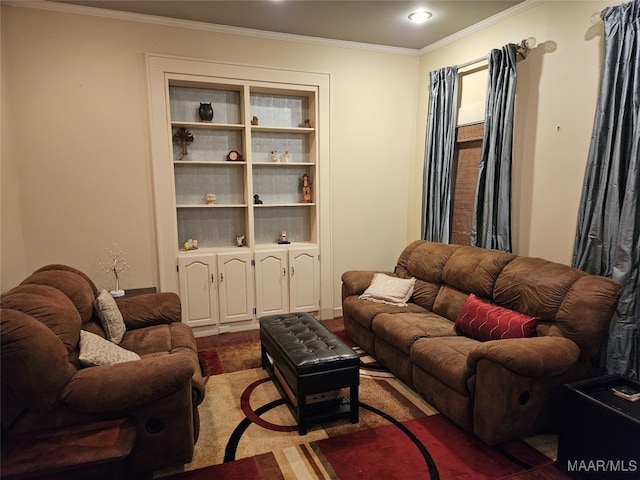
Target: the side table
pixel 134 292
pixel 90 450
pixel 600 431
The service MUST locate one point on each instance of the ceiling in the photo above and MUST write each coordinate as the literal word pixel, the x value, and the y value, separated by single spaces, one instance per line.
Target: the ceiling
pixel 372 22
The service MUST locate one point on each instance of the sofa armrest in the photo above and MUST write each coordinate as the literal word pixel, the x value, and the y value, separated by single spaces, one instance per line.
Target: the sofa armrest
pixel 530 357
pixel 151 309
pixel 125 385
pixel 355 282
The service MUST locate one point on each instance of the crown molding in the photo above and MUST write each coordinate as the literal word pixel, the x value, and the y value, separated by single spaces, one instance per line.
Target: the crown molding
pixel 208 27
pixel 497 18
pixel 285 37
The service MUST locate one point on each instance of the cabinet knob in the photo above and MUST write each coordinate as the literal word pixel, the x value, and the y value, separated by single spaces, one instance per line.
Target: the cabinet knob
pixel 284 272
pixel 292 271
pixel 221 278
pixel 213 279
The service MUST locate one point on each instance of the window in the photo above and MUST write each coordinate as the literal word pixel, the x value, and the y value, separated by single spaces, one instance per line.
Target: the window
pixel 466 160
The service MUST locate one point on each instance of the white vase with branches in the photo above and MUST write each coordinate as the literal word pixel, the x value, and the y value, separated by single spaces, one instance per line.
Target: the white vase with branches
pixel 116 263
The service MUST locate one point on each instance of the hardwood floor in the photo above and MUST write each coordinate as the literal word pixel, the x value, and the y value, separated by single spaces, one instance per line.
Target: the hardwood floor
pixel 250 336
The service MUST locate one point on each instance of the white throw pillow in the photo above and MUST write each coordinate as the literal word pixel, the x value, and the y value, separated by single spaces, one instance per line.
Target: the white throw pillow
pixel 110 317
pixel 95 350
pixel 391 290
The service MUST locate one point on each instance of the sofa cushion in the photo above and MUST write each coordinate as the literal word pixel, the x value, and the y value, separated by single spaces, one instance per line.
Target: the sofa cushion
pixel 593 300
pixel 51 307
pixel 363 311
pixel 72 284
pixel 35 363
pixel 424 260
pixel 67 268
pixel 425 293
pixel 110 317
pixel 392 290
pixel 150 309
pixel 445 358
pixel 402 329
pixel 535 286
pixel 475 270
pixel 484 321
pixel 449 302
pixel 95 350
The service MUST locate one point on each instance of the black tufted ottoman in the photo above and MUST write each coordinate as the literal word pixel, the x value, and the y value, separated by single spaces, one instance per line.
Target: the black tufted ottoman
pixel 306 360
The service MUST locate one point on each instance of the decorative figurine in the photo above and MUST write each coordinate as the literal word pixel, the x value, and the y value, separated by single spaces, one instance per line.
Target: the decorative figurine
pixel 191 244
pixel 274 156
pixel 306 188
pixel 116 263
pixel 283 238
pixel 210 198
pixel 240 240
pixel 205 112
pixel 285 157
pixel 254 120
pixel 256 200
pixel 184 138
pixel 307 123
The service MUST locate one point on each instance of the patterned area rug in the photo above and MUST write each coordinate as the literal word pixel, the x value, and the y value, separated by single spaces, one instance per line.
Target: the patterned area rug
pixel 248 432
pixel 215 361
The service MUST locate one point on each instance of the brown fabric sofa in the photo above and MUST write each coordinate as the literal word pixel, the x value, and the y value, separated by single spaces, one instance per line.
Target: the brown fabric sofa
pixel 44 385
pixel 498 389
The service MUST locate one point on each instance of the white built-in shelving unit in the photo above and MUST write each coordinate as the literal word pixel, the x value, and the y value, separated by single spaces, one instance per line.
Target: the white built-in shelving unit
pixel 224 287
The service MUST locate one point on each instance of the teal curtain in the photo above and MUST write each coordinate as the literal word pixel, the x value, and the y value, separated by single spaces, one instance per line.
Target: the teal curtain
pixel 608 233
pixel 439 150
pixel 491 220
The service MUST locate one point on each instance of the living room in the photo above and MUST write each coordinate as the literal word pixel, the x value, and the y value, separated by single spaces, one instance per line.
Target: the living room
pixel 78 174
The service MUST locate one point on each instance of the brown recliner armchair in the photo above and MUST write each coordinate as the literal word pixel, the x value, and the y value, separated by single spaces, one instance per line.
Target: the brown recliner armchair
pixel 44 384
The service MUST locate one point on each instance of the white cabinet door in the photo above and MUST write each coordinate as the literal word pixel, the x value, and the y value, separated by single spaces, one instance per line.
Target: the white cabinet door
pixel 235 286
pixel 304 279
pixel 197 275
pixel 272 282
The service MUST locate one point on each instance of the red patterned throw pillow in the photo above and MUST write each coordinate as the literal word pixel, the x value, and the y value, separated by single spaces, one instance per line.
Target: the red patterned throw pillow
pixel 485 321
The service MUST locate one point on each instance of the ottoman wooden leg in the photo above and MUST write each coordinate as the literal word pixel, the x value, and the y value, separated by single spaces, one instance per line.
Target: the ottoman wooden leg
pixel 302 413
pixel 355 404
pixel 263 356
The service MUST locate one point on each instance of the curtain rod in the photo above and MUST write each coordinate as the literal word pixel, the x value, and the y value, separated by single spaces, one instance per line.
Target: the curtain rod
pixel 522 48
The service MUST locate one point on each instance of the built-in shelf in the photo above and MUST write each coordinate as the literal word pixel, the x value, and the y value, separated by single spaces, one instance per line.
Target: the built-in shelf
pixel 258 128
pixel 208 125
pixel 281 164
pixel 284 205
pixel 226 163
pixel 281 113
pixel 217 205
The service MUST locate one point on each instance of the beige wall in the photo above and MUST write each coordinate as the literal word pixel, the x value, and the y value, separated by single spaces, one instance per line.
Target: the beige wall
pixel 555 105
pixel 76 149
pixel 12 256
pixel 76 167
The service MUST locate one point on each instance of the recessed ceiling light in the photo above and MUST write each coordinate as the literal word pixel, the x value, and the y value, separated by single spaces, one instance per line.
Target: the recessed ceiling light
pixel 420 16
